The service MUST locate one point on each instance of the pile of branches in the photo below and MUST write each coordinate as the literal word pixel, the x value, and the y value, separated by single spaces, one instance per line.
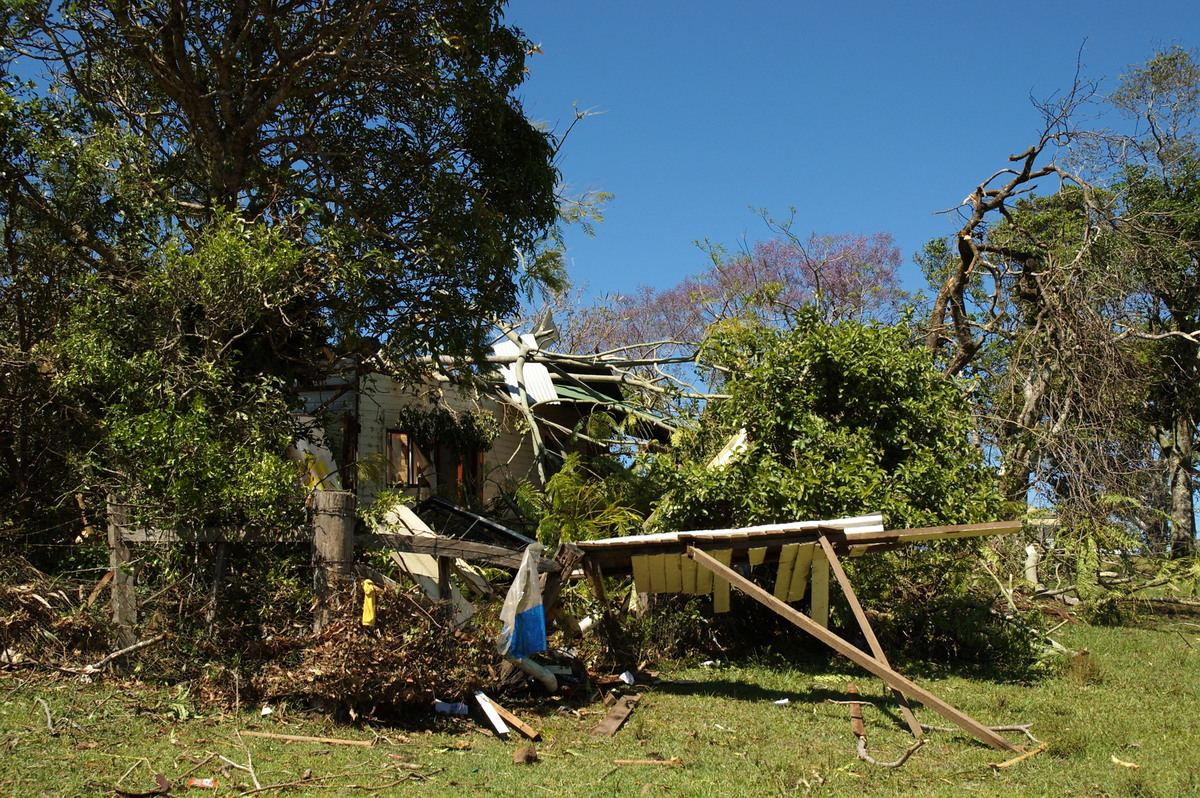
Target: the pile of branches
pixel 411 657
pixel 46 620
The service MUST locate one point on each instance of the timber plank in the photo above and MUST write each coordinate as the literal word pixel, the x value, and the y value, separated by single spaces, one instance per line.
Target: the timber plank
pixel 820 588
pixel 798 585
pixel 688 569
pixel 641 574
pixel 674 567
pixel 438 546
pixel 616 716
pixel 787 564
pixel 658 574
pixel 704 582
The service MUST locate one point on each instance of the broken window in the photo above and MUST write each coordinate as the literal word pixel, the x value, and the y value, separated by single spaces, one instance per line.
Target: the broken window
pixel 436 468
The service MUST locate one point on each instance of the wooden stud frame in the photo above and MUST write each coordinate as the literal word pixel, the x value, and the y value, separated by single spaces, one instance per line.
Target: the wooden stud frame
pixel 872 664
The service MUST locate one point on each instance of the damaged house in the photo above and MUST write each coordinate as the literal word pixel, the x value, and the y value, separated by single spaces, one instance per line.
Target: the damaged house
pixel 462 434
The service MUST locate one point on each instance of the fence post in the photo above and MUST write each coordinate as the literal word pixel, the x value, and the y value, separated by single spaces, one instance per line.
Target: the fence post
pixel 124 602
pixel 332 547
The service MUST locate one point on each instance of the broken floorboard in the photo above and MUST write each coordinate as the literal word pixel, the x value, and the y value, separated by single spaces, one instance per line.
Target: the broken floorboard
pixel 847 649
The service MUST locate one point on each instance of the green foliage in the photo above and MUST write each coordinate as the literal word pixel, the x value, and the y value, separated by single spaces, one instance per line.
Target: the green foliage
pixel 186 236
pixel 461 433
pixel 583 501
pixel 173 382
pixel 841 419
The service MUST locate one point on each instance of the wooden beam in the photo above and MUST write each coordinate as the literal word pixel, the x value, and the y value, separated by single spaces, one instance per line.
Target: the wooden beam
pixel 641 574
pixel 721 586
pixel 595 578
pixel 801 571
pixel 511 719
pixel 688 569
pixel 852 652
pixel 616 716
pixel 614 555
pixel 787 565
pixel 438 546
pixel 864 625
pixel 675 573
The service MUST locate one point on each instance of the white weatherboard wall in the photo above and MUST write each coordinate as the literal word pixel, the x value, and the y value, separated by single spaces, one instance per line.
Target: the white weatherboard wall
pixel 378 402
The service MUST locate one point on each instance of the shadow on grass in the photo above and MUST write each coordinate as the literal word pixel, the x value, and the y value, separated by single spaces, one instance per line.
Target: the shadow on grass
pixel 754 693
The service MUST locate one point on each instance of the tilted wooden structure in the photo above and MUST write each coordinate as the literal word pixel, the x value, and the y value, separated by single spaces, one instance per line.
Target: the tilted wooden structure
pixel 806 552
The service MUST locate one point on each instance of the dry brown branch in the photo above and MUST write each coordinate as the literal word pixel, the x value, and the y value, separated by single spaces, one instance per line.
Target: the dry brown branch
pixel 49 721
pixel 296 738
pixel 1015 760
pixel 864 756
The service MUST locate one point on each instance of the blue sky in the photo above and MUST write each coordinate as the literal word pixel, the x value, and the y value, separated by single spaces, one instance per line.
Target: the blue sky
pixel 864 116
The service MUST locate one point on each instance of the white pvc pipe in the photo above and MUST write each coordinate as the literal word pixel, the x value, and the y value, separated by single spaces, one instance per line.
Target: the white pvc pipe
pixel 530 667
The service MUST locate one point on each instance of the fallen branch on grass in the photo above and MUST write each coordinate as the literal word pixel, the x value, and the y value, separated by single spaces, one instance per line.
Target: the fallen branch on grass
pixel 297 738
pixel 49 720
pixel 860 731
pixel 1015 760
pixel 864 756
pixel 138 646
pixel 248 768
pixel 1023 728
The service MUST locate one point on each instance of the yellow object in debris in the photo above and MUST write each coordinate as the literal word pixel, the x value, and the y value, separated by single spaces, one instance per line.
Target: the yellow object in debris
pixel 369 591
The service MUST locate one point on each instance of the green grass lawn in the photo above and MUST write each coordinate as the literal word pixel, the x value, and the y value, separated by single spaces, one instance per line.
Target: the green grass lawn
pixel 1135 698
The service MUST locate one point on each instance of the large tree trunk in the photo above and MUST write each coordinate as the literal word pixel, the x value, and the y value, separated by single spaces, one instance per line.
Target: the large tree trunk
pixel 1183 509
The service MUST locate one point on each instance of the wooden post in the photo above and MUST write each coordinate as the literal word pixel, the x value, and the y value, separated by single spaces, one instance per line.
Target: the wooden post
pixel 124 602
pixel 852 652
pixel 220 556
pixel 864 625
pixel 332 547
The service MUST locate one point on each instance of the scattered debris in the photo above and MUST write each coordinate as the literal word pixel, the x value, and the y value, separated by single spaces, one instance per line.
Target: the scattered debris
pixel 207 784
pixel 368 607
pixel 509 718
pixel 163 788
pixel 489 711
pixel 616 716
pixel 1123 764
pixel 95 666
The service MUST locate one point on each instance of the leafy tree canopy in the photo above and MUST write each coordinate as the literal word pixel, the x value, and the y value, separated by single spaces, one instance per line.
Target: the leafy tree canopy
pixel 841 419
pixel 203 205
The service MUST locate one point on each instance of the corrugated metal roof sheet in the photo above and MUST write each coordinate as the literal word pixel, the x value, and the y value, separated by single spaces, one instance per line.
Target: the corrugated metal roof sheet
pixel 538 384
